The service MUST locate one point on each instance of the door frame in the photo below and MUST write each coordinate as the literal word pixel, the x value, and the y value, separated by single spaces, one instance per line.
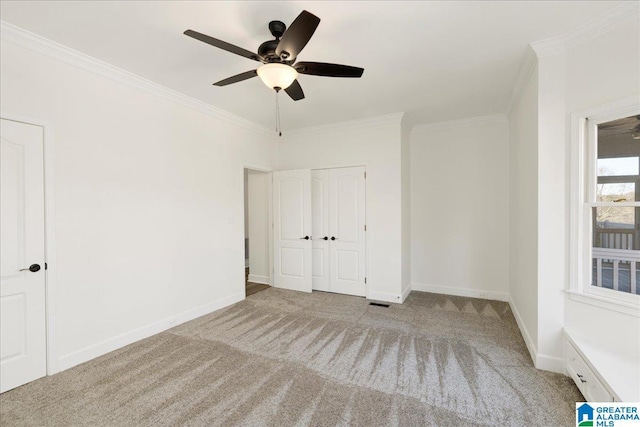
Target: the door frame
pixel 49 232
pixel 365 165
pixel 268 170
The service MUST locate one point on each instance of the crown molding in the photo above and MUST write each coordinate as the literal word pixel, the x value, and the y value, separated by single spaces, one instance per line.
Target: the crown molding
pixel 627 11
pixel 561 44
pixel 351 124
pixel 452 124
pixel 527 66
pixel 42 45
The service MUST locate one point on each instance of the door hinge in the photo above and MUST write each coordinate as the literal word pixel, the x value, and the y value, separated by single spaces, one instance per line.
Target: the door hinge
pixel 365 175
pixel 365 227
pixel 365 280
pixel 46 266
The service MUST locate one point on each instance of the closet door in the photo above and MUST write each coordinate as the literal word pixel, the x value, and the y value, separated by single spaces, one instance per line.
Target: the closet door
pixel 320 227
pixel 347 234
pixel 292 230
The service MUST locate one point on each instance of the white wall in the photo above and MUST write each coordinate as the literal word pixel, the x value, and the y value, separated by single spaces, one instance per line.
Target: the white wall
pixel 405 159
pixel 258 219
pixel 598 72
pixel 523 212
pixel 148 203
pixel 460 208
pixel 374 143
pixel 588 74
pixel 552 214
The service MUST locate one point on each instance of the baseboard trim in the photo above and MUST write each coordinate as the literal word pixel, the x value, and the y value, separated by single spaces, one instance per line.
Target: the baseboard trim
pixel 461 292
pixel 551 363
pixel 533 351
pixel 384 296
pixel 259 279
pixel 405 293
pixel 95 350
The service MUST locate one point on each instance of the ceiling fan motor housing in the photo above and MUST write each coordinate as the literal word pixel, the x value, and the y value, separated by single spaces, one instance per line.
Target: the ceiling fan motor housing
pixel 267 50
pixel 277 28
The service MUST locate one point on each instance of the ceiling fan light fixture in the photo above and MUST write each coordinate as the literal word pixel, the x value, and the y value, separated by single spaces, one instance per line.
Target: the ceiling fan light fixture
pixel 276 75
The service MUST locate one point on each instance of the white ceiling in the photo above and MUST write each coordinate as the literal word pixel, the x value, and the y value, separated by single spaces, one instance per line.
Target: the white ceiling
pixel 437 60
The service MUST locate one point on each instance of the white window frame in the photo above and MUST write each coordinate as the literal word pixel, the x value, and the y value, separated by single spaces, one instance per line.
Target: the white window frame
pixel 582 198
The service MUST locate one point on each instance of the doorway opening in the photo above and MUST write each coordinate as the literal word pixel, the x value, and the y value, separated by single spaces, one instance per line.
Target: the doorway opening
pixel 256 231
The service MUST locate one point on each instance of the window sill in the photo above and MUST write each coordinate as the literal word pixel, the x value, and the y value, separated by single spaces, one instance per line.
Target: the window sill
pixel 606 303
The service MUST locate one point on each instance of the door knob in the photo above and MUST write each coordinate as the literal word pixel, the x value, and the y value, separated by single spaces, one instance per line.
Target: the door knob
pixel 333 238
pixel 304 238
pixel 32 268
pixel 325 238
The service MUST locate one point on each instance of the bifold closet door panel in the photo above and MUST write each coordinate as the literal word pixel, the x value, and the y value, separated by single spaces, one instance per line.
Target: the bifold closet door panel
pixel 292 229
pixel 320 227
pixel 346 227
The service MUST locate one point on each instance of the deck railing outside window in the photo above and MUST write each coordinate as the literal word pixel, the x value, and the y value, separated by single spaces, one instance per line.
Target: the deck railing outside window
pixel 616 269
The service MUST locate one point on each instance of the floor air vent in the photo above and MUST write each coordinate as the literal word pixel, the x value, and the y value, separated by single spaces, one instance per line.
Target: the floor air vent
pixel 379 304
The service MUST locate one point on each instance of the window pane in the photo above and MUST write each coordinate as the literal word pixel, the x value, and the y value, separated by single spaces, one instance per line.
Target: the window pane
pixel 616 192
pixel 615 240
pixel 615 274
pixel 614 252
pixel 619 147
pixel 614 228
pixel 618 166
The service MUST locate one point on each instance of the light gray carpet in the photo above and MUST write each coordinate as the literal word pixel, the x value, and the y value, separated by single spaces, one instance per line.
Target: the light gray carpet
pixel 283 358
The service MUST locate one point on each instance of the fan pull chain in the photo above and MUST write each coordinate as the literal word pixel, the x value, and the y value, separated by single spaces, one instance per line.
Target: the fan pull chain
pixel 278 122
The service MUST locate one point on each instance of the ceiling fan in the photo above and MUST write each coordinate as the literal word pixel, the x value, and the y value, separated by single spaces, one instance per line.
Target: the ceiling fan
pixel 280 69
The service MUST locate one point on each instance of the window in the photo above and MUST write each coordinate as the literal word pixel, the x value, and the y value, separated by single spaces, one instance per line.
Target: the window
pixel 610 207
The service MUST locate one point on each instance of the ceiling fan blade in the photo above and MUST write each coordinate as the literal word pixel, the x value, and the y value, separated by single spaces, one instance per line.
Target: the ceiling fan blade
pixel 223 45
pixel 297 35
pixel 328 70
pixel 295 91
pixel 237 78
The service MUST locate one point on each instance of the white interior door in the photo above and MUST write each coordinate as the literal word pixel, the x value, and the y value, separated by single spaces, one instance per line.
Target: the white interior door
pixel 22 291
pixel 347 230
pixel 320 229
pixel 292 230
